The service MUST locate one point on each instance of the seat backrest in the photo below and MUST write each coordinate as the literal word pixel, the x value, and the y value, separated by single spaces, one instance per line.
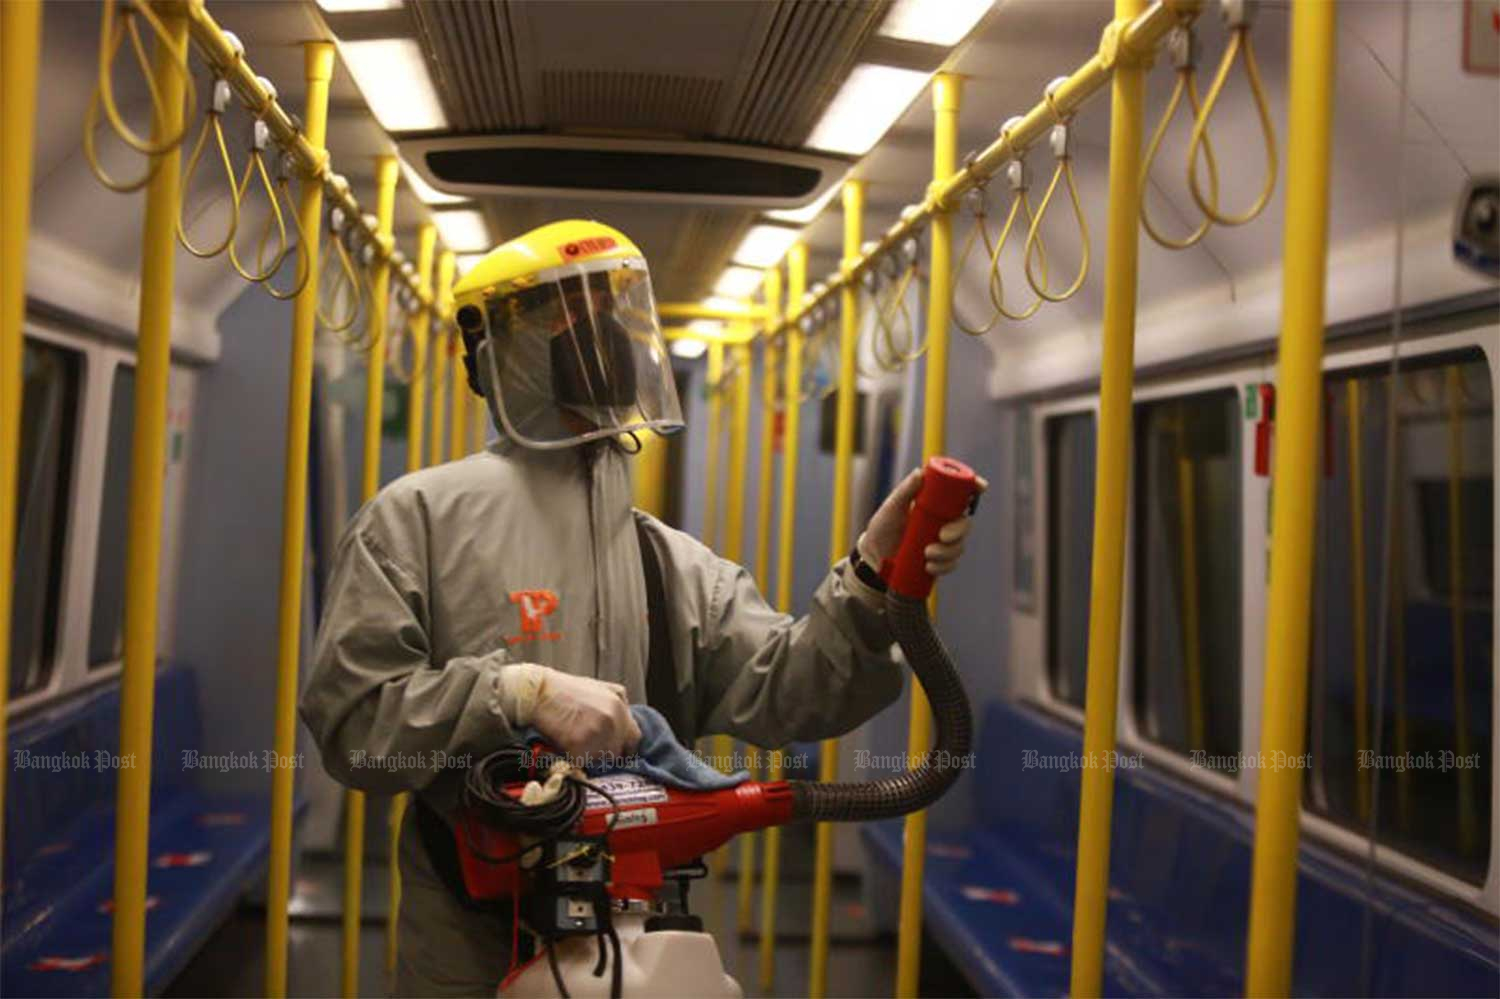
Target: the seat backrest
pixel 64 760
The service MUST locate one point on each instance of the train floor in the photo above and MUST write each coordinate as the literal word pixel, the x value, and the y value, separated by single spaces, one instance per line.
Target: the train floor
pixel 861 962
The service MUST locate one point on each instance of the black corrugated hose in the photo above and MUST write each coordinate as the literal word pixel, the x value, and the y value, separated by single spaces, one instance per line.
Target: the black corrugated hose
pixel 916 789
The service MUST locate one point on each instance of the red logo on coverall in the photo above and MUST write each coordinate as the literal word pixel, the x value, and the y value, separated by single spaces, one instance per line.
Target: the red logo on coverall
pixel 535 605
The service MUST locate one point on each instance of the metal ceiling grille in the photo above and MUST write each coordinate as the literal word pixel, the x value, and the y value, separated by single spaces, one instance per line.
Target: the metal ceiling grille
pixel 656 102
pixel 472 51
pixel 807 51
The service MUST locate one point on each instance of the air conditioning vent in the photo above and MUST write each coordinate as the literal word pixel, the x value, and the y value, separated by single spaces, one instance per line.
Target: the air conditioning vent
pixel 630 169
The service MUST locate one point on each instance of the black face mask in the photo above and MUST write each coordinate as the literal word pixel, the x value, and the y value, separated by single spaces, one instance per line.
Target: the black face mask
pixel 593 366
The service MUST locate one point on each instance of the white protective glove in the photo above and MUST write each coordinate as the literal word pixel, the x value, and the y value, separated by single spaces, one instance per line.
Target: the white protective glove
pixel 882 536
pixel 583 717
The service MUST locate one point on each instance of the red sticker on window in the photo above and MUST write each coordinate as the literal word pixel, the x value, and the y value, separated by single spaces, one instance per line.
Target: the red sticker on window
pixel 196 859
pixel 586 247
pixel 1000 896
pixel 1025 945
pixel 949 851
pixel 53 963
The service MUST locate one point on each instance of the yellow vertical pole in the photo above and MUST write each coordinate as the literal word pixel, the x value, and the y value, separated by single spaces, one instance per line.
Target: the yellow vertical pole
pixel 946 96
pixel 770 359
pixel 838 546
pixel 441 352
pixel 1357 591
pixel 458 420
pixel 143 547
pixel 649 475
pixel 386 173
pixel 1192 645
pixel 765 479
pixel 421 323
pixel 318 69
pixel 1299 399
pixel 715 426
pixel 20 51
pixel 734 503
pixel 796 271
pixel 1112 464
pixel 1453 389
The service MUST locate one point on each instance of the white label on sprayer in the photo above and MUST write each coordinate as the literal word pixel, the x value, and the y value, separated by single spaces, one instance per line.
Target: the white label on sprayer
pixel 626 789
pixel 635 817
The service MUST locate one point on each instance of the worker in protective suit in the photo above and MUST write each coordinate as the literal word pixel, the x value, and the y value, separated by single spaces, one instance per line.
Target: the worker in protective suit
pixel 471 601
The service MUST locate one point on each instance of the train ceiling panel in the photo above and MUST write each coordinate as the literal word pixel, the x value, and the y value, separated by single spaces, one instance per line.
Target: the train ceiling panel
pixel 761 73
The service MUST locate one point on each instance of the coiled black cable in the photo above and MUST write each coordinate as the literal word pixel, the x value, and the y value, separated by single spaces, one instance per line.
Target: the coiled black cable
pixel 484 797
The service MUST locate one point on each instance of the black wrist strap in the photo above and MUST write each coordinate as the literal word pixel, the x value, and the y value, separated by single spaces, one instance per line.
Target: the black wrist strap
pixel 867 573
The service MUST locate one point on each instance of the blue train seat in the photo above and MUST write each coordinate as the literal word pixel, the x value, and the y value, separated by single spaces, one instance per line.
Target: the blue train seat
pixel 206 847
pixel 999 894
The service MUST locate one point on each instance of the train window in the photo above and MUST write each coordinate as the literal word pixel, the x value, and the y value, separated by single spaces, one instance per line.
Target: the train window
pixel 1070 548
pixel 50 379
pixel 107 618
pixel 1415 757
pixel 1187 573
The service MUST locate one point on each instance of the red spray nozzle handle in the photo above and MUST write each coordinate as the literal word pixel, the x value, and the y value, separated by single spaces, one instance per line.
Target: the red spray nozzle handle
pixel 949 488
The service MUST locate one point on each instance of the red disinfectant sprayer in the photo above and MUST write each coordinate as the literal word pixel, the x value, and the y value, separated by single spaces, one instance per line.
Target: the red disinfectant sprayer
pixel 592 864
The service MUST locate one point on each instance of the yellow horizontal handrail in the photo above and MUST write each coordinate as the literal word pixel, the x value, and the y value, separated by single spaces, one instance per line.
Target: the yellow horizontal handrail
pixel 1132 41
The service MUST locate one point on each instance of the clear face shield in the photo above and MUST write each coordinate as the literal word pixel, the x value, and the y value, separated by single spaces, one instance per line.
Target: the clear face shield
pixel 576 357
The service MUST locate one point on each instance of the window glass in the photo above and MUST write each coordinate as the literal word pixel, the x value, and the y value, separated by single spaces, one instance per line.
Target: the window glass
pixel 1070 551
pixel 1413 758
pixel 1187 573
pixel 50 377
pixel 107 619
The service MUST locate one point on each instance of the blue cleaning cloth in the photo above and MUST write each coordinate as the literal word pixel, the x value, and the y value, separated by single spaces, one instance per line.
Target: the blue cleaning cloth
pixel 661 758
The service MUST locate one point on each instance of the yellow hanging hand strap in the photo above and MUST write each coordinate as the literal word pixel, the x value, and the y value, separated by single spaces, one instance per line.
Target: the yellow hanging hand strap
pixel 1183 46
pixel 212 122
pixel 1238 16
pixel 1061 141
pixel 117 25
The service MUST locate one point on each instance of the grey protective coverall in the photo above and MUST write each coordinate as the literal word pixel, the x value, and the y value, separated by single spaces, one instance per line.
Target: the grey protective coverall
pixel 516 555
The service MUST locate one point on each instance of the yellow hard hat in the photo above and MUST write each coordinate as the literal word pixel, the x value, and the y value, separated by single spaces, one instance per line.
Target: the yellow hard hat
pixel 520 263
pixel 561 337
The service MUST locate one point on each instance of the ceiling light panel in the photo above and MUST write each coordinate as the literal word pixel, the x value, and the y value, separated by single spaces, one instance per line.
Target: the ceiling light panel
pixel 357 6
pixel 934 22
pixel 463 230
pixel 738 282
pixel 425 192
pixel 764 245
pixel 393 77
pixel 722 302
pixel 865 108
pixel 688 348
pixel 467 260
